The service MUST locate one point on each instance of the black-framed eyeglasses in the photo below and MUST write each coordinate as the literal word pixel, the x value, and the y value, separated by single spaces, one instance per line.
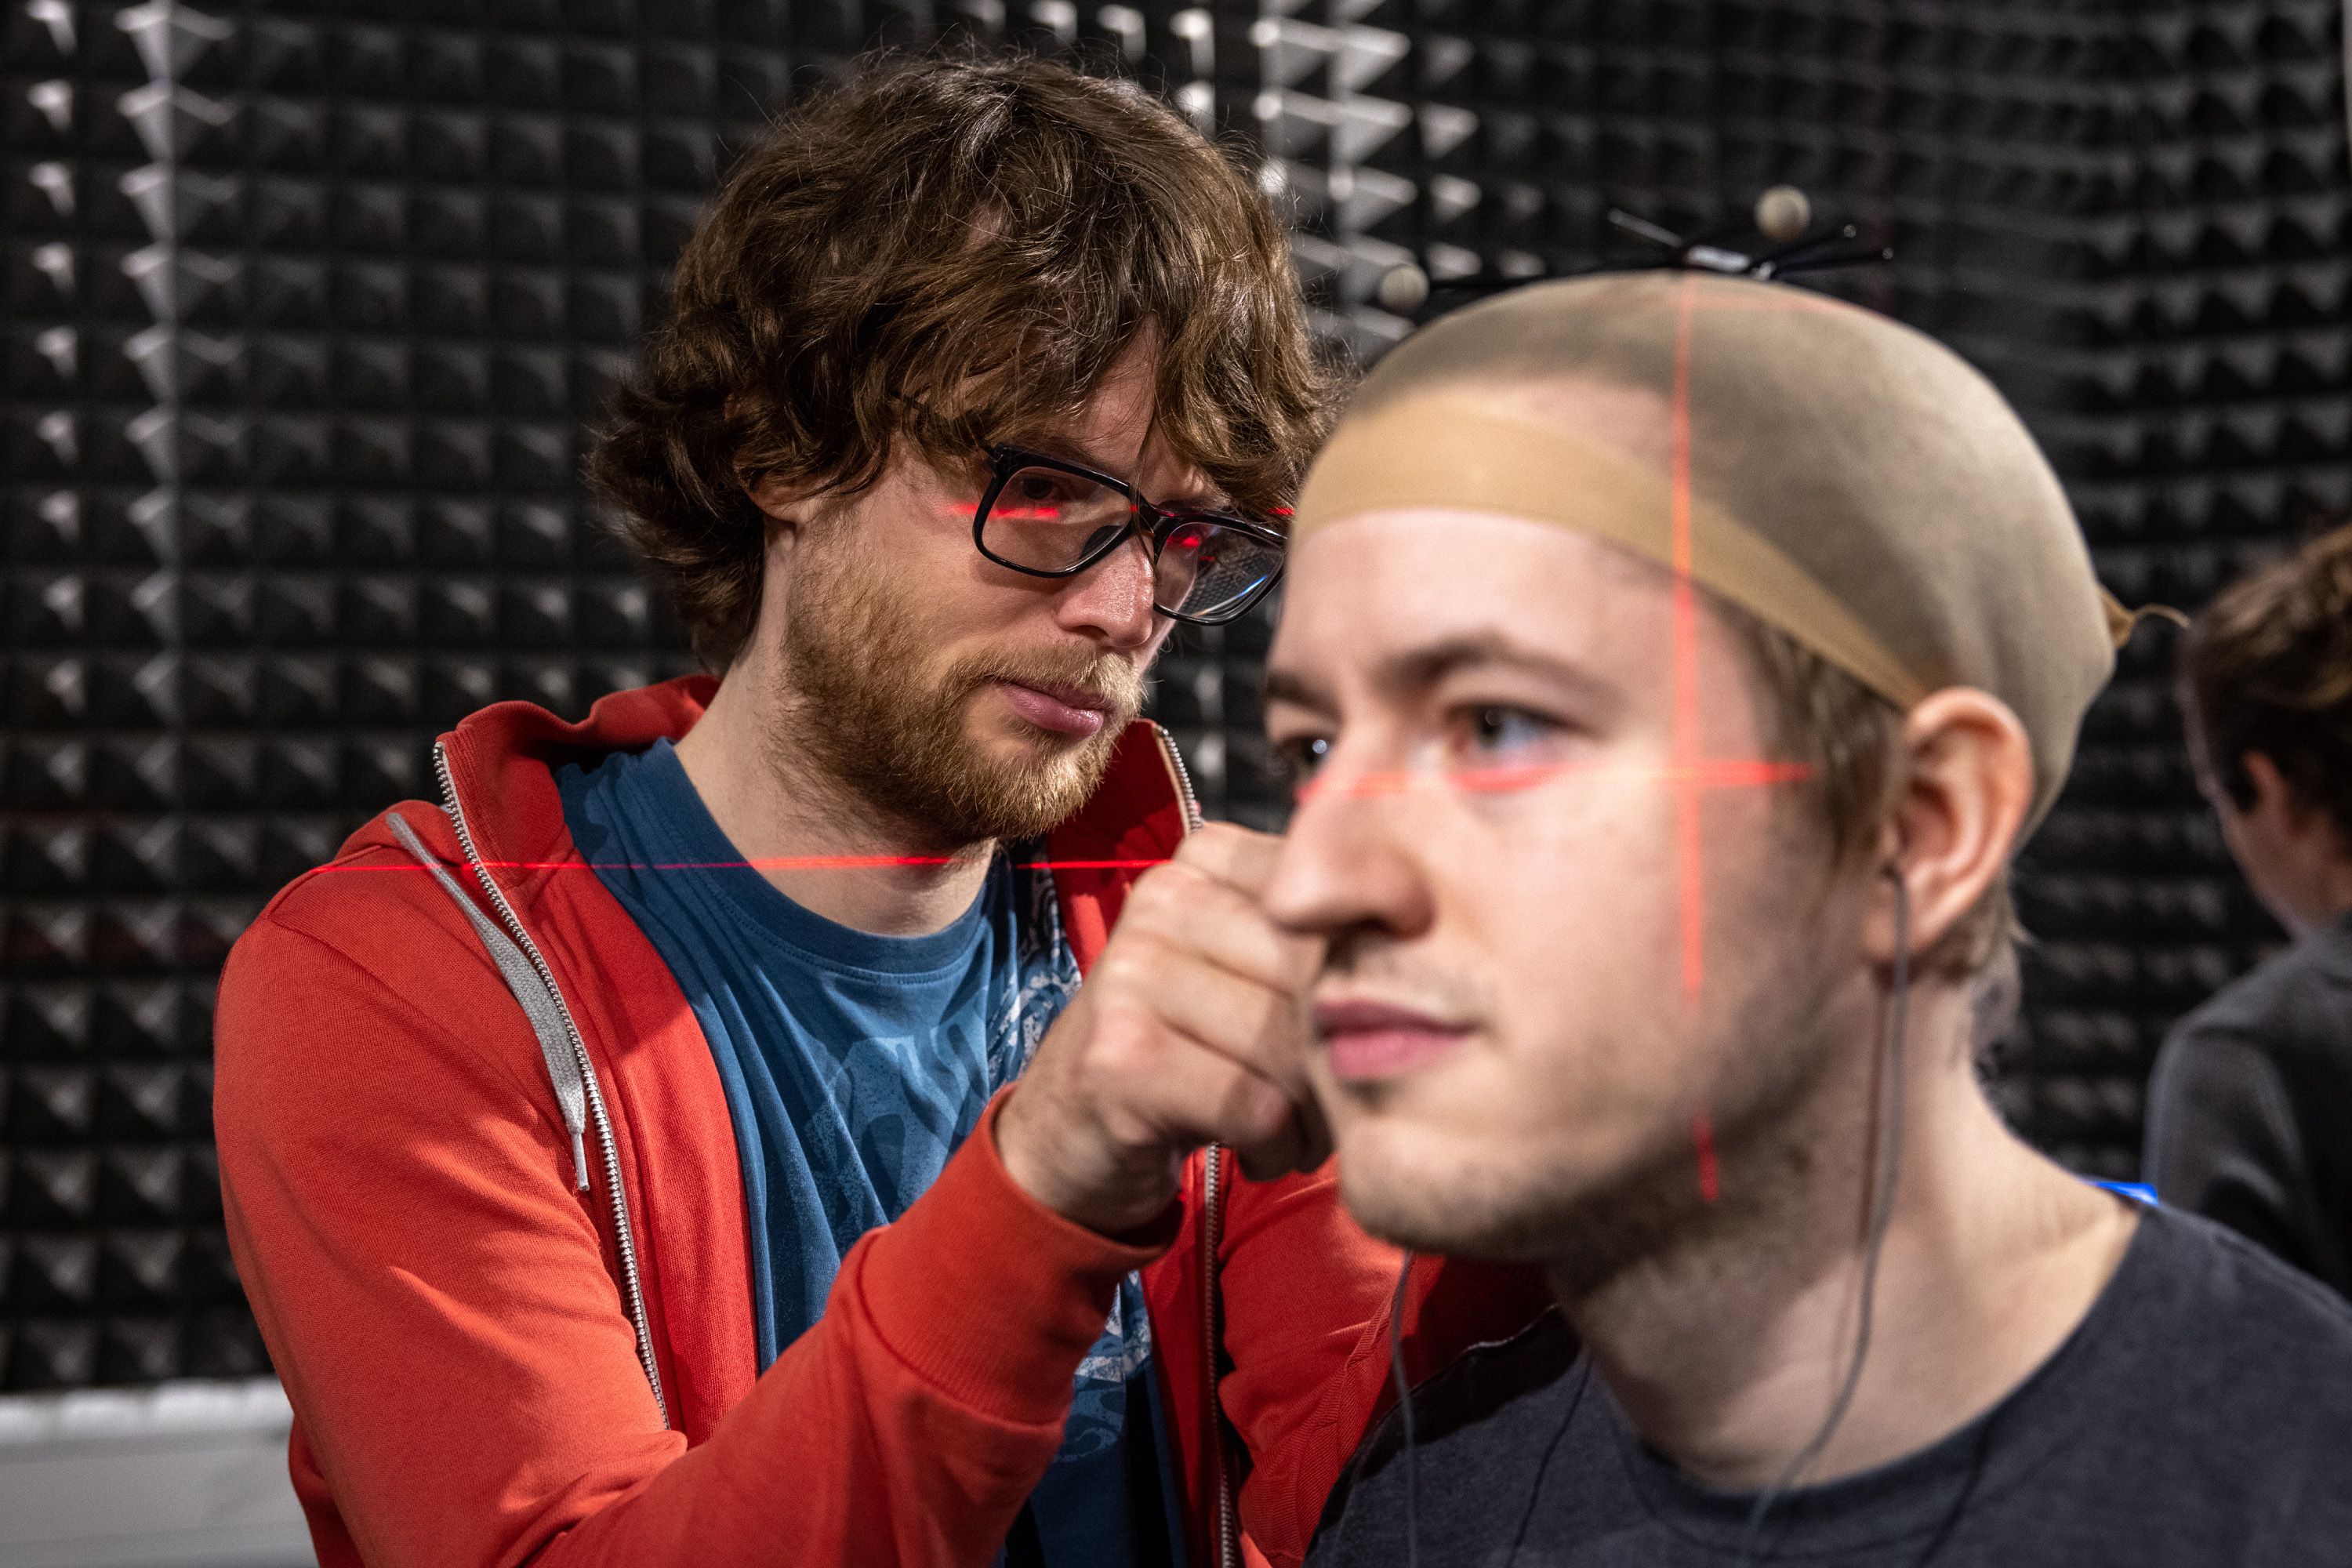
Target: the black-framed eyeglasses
pixel 1049 518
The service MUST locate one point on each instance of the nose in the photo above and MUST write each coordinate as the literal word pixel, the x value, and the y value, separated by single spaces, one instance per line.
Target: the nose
pixel 1111 601
pixel 1349 862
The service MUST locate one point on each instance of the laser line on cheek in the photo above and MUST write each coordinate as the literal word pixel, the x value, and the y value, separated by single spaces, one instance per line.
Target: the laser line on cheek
pixel 1684 742
pixel 1722 772
pixel 1704 773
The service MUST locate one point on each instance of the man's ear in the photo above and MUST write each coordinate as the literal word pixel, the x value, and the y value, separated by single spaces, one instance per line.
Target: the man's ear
pixel 2291 816
pixel 1967 786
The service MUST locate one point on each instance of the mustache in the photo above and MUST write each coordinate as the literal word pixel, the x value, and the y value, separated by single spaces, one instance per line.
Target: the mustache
pixel 1113 681
pixel 1367 956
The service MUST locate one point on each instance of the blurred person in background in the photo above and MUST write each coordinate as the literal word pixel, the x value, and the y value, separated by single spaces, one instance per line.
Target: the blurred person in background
pixel 2249 1111
pixel 618 1153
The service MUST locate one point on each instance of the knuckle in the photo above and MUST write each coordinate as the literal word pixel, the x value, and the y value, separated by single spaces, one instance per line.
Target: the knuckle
pixel 1204 841
pixel 1207 847
pixel 1122 1042
pixel 1158 892
pixel 1129 963
pixel 1178 902
pixel 1196 902
pixel 1226 850
pixel 1150 968
pixel 1145 890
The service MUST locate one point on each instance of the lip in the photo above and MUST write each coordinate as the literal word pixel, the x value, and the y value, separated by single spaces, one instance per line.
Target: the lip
pixel 1367 1041
pixel 1064 709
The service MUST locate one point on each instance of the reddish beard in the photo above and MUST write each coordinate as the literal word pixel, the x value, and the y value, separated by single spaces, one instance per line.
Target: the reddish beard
pixel 899 743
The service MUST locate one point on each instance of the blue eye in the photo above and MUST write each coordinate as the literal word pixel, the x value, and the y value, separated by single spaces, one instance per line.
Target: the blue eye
pixel 1505 730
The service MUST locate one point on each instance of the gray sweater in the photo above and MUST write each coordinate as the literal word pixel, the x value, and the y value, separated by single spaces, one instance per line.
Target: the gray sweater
pixel 2199 1416
pixel 2249 1111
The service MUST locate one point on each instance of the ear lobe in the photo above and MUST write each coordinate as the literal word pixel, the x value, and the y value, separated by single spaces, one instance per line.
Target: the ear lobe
pixel 1967 784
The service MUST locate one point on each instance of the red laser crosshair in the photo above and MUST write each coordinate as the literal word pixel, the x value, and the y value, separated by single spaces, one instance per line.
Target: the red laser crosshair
pixel 1690 901
pixel 1689 775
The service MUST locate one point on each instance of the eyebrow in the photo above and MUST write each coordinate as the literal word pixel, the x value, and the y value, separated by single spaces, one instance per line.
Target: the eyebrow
pixel 1415 670
pixel 1060 445
pixel 1298 691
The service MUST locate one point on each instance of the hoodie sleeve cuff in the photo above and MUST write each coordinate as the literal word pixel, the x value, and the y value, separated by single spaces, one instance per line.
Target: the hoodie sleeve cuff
pixel 988 1295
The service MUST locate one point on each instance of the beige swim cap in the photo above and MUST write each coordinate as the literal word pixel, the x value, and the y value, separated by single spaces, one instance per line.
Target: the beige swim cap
pixel 1849 481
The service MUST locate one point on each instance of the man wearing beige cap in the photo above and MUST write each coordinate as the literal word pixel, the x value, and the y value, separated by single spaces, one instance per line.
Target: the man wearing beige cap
pixel 1673 666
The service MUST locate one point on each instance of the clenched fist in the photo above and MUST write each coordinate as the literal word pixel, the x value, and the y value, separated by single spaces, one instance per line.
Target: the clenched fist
pixel 1192 1029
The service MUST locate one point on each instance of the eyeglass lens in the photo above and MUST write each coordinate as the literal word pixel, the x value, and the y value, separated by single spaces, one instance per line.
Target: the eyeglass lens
pixel 1049 520
pixel 1209 571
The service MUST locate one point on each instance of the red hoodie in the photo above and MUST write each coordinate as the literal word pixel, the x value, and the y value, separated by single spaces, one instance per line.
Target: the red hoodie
pixel 464 1334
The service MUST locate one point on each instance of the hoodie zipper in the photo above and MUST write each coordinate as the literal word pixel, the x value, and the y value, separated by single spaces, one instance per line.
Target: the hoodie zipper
pixel 625 1240
pixel 1211 1186
pixel 1213 1227
pixel 1213 1230
pixel 1183 777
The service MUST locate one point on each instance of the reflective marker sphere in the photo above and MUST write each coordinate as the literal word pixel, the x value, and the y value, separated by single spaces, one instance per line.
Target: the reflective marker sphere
pixel 1783 213
pixel 1403 289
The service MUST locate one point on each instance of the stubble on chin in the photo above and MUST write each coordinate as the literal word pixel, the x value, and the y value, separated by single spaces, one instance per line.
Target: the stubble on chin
pixel 899 746
pixel 1507 1203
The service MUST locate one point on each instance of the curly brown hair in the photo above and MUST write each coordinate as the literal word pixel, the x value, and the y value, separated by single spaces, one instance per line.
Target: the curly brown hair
pixel 952 251
pixel 2267 667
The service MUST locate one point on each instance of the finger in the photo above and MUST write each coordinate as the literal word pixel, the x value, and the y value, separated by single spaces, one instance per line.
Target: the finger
pixel 1263 1031
pixel 1308 1146
pixel 1263 1027
pixel 1190 909
pixel 1193 1093
pixel 1234 854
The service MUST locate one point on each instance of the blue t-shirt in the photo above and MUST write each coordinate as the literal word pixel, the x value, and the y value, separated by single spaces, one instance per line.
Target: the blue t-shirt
pixel 853 1066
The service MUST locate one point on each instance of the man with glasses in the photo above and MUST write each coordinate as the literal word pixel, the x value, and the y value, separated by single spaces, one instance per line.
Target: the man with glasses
pixel 628 1175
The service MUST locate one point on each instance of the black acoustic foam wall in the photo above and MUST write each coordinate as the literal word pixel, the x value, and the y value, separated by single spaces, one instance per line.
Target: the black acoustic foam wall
pixel 304 306
pixel 2132 215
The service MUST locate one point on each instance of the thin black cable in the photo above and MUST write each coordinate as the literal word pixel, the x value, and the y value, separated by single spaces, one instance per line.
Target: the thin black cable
pixel 1405 1416
pixel 1882 1183
pixel 1559 1436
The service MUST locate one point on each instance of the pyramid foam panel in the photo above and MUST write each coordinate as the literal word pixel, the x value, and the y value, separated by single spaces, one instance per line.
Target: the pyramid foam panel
pixel 304 308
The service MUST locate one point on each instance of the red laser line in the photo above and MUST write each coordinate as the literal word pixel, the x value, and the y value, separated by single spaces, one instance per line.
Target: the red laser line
pixel 1689 774
pixel 783 863
pixel 1706 774
pixel 1703 1142
pixel 1685 660
pixel 1725 773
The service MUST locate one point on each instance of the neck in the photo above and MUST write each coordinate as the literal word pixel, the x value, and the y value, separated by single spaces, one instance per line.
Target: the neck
pixel 1728 1351
pixel 811 837
pixel 2327 898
